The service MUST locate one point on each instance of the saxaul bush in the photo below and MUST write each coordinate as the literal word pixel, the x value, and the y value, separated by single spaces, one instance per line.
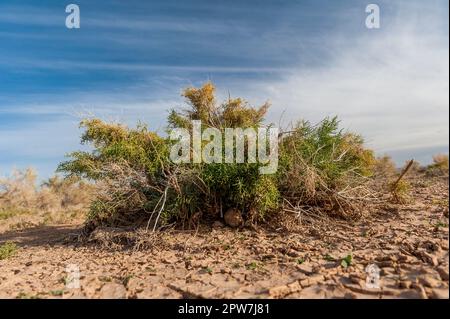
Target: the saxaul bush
pixel 129 167
pixel 229 185
pixel 385 167
pixel 138 184
pixel 320 165
pixel 21 194
pixel 439 167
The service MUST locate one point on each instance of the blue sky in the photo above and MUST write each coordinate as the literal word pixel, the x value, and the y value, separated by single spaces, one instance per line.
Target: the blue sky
pixel 130 60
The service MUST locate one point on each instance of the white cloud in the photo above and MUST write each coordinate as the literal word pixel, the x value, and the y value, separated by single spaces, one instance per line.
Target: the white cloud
pixel 391 85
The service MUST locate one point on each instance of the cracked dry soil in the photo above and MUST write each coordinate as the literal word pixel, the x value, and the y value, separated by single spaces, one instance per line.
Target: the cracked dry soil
pixel 409 244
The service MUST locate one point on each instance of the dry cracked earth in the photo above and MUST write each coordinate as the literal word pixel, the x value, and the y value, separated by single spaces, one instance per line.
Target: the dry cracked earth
pixel 407 243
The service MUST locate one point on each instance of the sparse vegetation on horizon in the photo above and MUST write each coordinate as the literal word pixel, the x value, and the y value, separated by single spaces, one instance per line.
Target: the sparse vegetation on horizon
pixel 439 165
pixel 55 199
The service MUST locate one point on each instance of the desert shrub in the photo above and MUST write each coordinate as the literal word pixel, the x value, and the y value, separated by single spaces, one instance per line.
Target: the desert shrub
pixel 138 184
pixel 400 188
pixel 130 166
pixel 20 194
pixel 400 192
pixel 240 186
pixel 439 166
pixel 69 192
pixel 19 191
pixel 112 142
pixel 319 161
pixel 385 167
pixel 229 185
pixel 120 193
pixel 202 106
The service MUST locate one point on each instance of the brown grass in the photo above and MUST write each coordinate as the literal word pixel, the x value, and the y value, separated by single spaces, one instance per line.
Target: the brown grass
pixel 54 200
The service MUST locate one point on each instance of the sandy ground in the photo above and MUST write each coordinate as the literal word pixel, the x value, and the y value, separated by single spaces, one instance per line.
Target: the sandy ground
pixel 408 244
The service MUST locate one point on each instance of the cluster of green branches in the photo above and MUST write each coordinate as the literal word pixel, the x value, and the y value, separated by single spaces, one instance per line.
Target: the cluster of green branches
pixel 137 182
pixel 317 162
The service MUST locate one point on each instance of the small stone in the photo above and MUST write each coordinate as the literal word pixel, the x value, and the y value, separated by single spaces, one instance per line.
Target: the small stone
pixel 294 287
pixel 113 291
pixel 233 218
pixel 405 259
pixel 73 295
pixel 350 295
pixel 292 253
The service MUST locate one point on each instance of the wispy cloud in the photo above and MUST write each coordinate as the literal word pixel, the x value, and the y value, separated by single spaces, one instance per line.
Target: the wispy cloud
pixel 134 67
pixel 309 59
pixel 391 86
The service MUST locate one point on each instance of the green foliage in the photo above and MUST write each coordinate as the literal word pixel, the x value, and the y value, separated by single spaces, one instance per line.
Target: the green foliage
pixel 202 106
pixel 253 265
pixel 134 168
pixel 140 148
pixel 138 183
pixel 56 293
pixel 7 250
pixel 241 186
pixel 126 163
pixel 400 192
pixel 346 261
pixel 321 158
pixel 235 185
